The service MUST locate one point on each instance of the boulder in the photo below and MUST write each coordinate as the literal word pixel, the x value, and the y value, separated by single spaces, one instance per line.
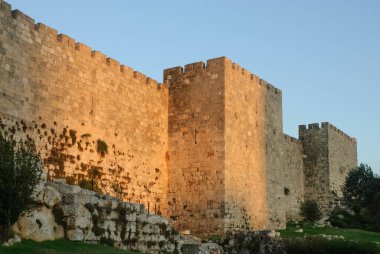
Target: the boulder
pixel 38 225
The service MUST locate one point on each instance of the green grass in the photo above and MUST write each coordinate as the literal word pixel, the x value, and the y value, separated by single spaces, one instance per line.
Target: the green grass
pixel 60 247
pixel 349 234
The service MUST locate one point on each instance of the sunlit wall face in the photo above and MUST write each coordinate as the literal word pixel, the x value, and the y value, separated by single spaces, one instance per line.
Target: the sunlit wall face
pixel 196 146
pixel 66 98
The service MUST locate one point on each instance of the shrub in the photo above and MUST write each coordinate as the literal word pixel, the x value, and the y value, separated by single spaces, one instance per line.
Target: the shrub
pixel 324 246
pixel 361 192
pixel 310 210
pixel 20 172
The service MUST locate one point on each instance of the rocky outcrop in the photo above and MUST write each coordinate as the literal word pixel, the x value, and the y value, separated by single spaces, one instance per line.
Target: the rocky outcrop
pixel 81 215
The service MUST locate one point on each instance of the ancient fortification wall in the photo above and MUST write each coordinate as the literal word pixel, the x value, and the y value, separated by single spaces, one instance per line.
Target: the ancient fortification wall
pixel 342 157
pixel 206 149
pixel 253 123
pixel 329 155
pixel 291 176
pixel 196 146
pixel 66 97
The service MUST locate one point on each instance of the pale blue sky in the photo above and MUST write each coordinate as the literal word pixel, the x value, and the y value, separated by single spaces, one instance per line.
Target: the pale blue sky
pixel 323 54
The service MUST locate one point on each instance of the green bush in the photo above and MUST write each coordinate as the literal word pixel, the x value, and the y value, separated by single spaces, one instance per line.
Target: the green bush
pixel 324 246
pixel 342 219
pixel 310 210
pixel 361 192
pixel 20 172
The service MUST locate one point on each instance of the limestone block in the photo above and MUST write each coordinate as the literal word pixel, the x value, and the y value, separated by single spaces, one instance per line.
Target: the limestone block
pixel 88 192
pixel 39 225
pixel 155 219
pixel 79 222
pixel 141 217
pixel 131 226
pixel 75 234
pixel 76 198
pixel 94 200
pixel 102 203
pixel 51 196
pixel 130 216
pixel 69 189
pixel 75 210
pixel 109 225
pixel 88 235
pixel 113 215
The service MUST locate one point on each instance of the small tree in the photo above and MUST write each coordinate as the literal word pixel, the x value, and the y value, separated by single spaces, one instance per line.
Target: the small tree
pixel 310 210
pixel 20 172
pixel 361 192
pixel 361 188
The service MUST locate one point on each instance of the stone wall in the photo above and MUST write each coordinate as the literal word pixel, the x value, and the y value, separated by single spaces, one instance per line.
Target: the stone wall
pixel 329 155
pixel 253 113
pixel 207 148
pixel 292 176
pixel 342 157
pixel 82 215
pixel 67 97
pixel 196 146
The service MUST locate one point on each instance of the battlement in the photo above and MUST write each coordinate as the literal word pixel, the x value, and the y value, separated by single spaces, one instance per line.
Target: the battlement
pixel 216 64
pixel 291 139
pixel 67 43
pixel 325 126
pixel 194 68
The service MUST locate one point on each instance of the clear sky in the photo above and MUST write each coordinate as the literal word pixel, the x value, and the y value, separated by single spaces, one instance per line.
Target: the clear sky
pixel 323 54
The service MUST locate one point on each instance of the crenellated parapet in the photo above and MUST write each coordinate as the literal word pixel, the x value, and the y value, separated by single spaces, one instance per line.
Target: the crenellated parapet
pixel 256 80
pixel 324 126
pixel 41 33
pixel 291 139
pixel 217 66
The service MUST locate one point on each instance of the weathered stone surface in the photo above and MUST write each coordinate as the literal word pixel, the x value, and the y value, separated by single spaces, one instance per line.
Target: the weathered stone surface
pixel 128 225
pixel 75 234
pixel 51 196
pixel 206 149
pixel 39 225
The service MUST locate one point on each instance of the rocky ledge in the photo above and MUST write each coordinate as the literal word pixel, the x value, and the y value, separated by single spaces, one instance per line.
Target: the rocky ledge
pixel 67 211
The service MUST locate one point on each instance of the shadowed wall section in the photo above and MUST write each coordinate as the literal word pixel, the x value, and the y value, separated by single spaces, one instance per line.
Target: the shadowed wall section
pixel 253 127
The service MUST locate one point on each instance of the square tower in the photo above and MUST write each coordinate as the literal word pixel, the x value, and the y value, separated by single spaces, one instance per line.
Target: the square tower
pixel 224 130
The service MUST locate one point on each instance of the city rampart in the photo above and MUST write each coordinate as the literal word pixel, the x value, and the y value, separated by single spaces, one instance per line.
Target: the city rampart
pixel 85 111
pixel 206 148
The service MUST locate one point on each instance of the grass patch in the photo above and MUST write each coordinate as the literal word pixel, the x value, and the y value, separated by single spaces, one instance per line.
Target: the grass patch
pixel 61 247
pixel 348 234
pixel 324 246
